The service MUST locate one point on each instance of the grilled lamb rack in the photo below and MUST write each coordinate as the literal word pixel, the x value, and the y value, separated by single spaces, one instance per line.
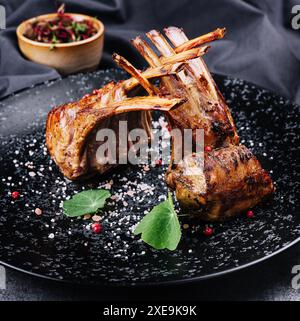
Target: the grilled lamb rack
pixel 205 107
pixel 71 129
pixel 229 179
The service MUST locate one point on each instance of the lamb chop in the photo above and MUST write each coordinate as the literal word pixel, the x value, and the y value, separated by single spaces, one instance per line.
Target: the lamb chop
pixel 231 182
pixel 71 129
pixel 229 179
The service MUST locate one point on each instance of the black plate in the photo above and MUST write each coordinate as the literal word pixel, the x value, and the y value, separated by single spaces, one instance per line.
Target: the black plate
pixel 266 123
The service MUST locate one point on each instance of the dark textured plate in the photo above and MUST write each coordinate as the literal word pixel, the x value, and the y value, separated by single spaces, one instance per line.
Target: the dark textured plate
pixel 60 248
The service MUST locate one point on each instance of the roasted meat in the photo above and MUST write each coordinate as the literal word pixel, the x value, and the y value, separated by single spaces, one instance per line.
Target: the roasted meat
pixel 71 129
pixel 230 181
pixel 72 132
pixel 227 180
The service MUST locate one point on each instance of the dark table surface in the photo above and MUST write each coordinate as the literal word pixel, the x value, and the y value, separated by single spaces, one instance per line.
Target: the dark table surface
pixel 269 280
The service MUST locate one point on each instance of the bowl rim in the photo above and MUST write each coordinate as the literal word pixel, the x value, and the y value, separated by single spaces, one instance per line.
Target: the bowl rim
pixel 99 33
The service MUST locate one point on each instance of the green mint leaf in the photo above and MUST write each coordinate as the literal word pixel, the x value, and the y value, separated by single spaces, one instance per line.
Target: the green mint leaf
pixel 80 27
pixel 86 202
pixel 160 228
pixel 54 38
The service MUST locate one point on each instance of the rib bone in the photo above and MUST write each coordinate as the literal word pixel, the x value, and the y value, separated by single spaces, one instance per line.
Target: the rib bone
pixel 205 107
pixel 200 70
pixel 185 55
pixel 127 66
pixel 196 42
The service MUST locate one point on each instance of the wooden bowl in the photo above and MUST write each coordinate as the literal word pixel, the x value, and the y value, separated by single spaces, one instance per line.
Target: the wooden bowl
pixel 66 58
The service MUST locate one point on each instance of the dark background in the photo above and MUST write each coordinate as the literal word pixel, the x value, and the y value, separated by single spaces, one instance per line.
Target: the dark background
pixel 260 46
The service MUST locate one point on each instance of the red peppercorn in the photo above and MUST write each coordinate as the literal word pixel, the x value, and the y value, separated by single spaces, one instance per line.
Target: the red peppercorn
pixel 208 231
pixel 95 92
pixel 96 227
pixel 250 214
pixel 207 148
pixel 15 195
pixel 158 162
pixel 85 96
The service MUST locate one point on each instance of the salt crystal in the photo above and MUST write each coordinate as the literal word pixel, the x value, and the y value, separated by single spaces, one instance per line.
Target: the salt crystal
pixel 130 193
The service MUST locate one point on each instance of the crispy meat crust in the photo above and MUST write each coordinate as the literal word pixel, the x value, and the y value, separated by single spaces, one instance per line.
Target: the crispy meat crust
pixel 231 181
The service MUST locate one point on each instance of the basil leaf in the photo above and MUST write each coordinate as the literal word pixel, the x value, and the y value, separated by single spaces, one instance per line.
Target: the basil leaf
pixel 86 202
pixel 160 228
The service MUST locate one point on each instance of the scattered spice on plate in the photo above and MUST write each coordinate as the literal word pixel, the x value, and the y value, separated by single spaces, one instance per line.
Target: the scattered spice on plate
pixel 15 195
pixel 96 227
pixel 250 214
pixel 208 231
pixel 96 218
pixel 158 162
pixel 38 211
